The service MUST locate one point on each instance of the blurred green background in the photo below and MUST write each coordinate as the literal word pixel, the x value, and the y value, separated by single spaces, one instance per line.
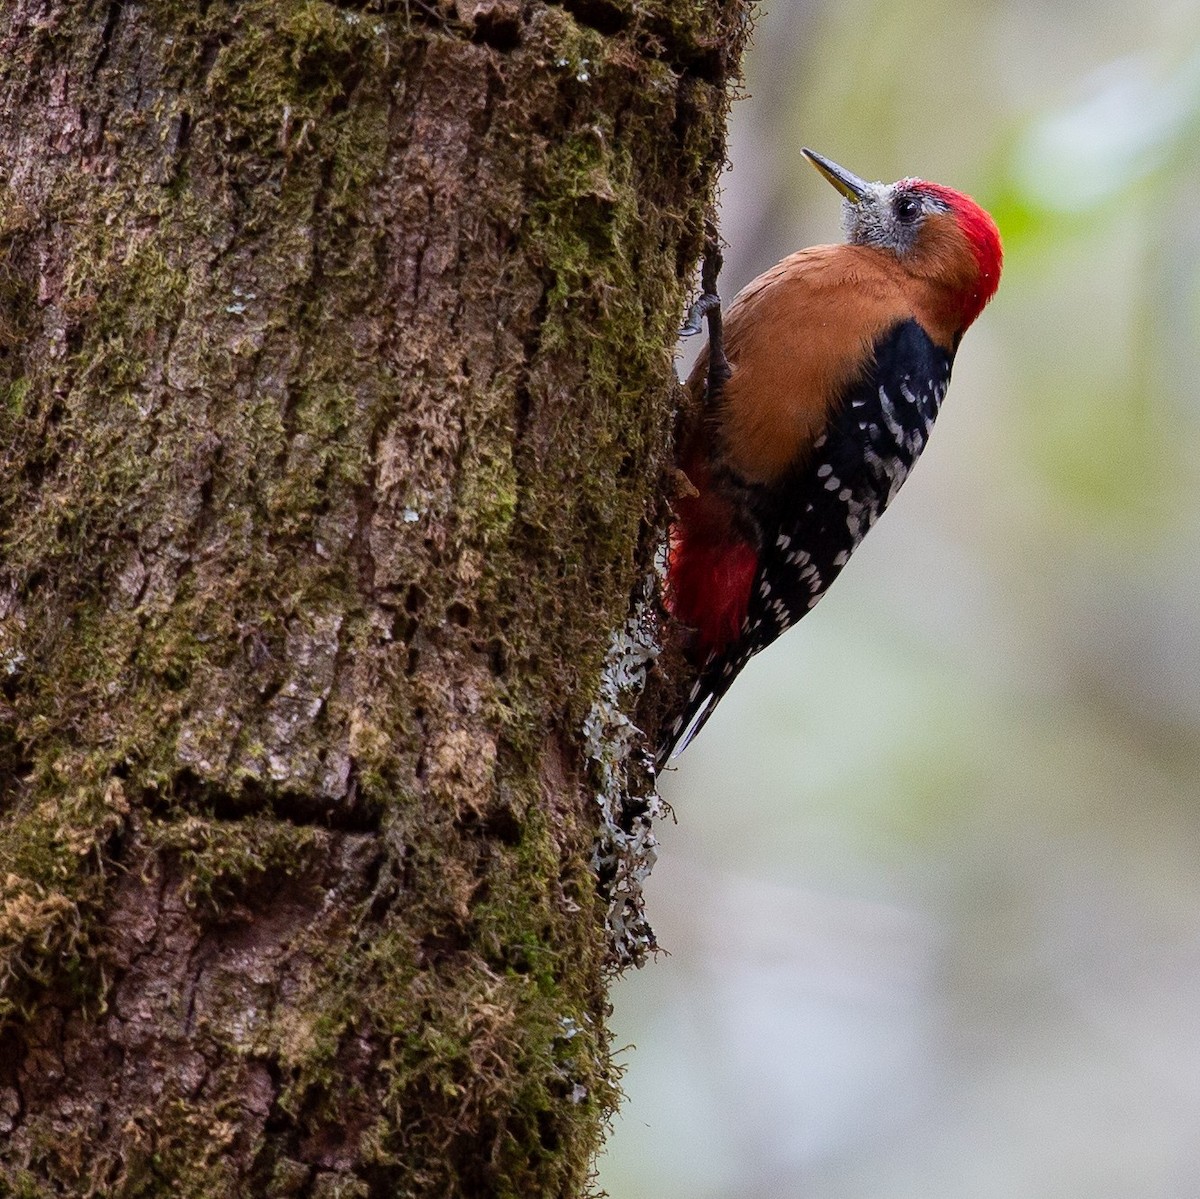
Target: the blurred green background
pixel 933 898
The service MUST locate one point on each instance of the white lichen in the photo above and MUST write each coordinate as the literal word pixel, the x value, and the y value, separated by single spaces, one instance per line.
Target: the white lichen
pixel 622 773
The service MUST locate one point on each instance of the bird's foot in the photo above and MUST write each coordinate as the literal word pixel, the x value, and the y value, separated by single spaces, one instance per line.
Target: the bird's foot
pixel 697 312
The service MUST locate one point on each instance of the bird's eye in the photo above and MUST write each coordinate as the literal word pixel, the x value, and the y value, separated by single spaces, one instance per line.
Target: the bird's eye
pixel 908 208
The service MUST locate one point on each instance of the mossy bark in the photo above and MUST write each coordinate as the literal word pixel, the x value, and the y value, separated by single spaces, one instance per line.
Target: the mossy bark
pixel 335 392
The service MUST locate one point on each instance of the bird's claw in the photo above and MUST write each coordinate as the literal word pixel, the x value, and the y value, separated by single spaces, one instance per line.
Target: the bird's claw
pixel 697 312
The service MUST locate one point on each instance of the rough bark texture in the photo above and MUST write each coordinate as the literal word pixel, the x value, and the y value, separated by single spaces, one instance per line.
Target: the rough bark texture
pixel 334 397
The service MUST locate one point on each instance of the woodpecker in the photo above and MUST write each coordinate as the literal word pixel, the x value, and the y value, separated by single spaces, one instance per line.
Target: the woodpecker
pixel 817 393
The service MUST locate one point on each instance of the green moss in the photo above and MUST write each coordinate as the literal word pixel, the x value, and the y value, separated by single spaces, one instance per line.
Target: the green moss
pixel 14 399
pixel 98 454
pixel 222 859
pixel 28 1187
pixel 292 64
pixel 610 315
pixel 488 495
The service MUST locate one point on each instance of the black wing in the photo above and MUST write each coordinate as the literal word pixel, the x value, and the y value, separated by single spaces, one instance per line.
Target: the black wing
pixel 814 518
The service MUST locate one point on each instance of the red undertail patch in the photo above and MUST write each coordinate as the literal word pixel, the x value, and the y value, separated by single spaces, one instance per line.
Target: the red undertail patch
pixel 709 587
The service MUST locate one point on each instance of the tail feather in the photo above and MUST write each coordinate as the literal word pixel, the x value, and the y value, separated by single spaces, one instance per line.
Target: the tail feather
pixel 685 726
pixel 708 691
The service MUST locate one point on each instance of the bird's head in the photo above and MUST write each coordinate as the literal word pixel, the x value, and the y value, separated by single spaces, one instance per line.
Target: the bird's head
pixel 937 234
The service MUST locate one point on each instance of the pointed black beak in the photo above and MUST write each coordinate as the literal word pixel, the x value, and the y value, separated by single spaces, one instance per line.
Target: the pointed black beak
pixel 851 186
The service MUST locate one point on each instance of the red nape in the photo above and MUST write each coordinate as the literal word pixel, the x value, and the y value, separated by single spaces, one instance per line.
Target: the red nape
pixel 982 235
pixel 708 586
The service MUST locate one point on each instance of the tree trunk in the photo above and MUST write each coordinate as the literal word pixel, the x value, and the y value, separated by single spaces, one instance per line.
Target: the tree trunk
pixel 335 396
